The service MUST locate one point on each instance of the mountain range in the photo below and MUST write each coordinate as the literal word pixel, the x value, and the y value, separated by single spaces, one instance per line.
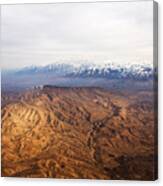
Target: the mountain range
pixel 108 71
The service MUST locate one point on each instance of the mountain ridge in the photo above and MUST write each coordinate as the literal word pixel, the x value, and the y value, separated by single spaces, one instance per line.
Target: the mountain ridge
pixel 109 71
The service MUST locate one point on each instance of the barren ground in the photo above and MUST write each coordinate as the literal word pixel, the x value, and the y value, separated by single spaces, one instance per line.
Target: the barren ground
pixel 86 133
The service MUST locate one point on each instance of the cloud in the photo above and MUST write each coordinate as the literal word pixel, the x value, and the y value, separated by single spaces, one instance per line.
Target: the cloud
pixel 40 34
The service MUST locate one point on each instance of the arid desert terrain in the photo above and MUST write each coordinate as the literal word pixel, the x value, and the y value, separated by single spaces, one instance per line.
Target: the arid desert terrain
pixel 82 132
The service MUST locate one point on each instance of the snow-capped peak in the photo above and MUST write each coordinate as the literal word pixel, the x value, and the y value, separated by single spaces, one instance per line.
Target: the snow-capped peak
pixel 106 69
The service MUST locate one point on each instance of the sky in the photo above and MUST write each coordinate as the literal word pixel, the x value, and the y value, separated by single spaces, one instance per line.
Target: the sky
pixel 41 34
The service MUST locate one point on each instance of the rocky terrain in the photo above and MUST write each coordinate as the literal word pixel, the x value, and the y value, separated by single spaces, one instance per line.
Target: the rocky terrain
pixel 89 133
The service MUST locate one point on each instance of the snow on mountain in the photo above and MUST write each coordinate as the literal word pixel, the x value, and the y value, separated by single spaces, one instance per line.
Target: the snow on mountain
pixel 113 71
pixel 105 70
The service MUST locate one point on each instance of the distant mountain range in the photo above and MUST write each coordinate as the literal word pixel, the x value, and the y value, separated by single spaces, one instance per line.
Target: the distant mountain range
pixel 108 71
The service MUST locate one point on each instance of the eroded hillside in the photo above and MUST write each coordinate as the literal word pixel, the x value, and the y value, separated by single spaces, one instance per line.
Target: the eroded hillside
pixel 78 133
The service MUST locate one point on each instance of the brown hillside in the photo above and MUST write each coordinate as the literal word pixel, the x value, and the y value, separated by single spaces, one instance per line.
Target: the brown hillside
pixel 78 133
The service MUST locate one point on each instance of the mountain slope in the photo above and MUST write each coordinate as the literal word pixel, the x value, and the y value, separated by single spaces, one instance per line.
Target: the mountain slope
pixel 79 133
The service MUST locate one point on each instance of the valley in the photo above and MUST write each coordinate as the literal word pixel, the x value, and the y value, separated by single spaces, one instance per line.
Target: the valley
pixel 78 132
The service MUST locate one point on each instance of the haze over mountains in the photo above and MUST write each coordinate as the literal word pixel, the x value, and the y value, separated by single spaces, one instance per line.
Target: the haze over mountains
pixel 108 70
pixel 108 76
pixel 86 109
pixel 85 121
